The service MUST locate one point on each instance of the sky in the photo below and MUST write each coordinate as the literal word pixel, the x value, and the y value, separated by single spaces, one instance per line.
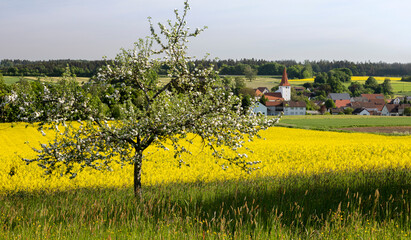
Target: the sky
pixel 353 30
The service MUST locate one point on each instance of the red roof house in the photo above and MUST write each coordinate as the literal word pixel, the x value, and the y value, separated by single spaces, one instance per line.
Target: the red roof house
pixel 261 90
pixel 342 103
pixel 370 97
pixel 274 96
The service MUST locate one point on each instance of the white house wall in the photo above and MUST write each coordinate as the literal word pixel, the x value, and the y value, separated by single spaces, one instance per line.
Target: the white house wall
pixel 295 110
pixel 260 108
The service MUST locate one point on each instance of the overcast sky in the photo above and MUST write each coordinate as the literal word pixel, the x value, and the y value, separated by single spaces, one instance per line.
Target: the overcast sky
pixel 354 30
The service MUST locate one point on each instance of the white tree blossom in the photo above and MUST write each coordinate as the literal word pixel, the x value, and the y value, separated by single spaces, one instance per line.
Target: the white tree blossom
pixel 191 102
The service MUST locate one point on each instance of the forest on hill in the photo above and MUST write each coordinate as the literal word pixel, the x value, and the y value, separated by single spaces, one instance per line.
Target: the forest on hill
pixel 306 69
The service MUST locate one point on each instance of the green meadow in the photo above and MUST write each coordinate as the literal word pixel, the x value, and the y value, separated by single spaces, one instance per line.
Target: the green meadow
pixel 342 121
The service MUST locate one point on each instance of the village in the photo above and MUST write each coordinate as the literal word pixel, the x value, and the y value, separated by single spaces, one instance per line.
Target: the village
pixel 341 103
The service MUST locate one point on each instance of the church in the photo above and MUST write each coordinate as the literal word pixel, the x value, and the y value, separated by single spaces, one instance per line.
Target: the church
pixel 280 100
pixel 285 87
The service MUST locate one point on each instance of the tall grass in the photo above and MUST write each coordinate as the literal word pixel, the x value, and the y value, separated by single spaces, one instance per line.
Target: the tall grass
pixel 335 205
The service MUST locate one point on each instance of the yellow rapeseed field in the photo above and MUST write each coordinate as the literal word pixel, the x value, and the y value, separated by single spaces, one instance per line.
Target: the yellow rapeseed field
pixel 364 78
pixel 284 152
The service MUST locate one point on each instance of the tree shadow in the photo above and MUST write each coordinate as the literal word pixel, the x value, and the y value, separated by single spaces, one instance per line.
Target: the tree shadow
pixel 298 201
pixel 294 202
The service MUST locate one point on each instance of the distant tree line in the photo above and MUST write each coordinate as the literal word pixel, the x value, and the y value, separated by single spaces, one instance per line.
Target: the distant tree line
pixel 406 79
pixel 51 68
pixel 249 67
pixel 308 69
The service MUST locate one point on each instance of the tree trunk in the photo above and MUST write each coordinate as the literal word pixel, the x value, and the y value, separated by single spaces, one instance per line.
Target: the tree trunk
pixel 138 160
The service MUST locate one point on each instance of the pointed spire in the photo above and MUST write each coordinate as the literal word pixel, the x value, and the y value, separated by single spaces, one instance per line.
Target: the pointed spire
pixel 284 80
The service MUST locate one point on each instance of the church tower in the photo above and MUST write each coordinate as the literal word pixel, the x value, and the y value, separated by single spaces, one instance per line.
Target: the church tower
pixel 285 87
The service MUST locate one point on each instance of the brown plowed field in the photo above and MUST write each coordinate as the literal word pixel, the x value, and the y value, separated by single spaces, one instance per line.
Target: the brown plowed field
pixel 390 129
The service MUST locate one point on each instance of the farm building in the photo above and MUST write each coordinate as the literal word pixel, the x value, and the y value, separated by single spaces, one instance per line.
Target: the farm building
pixel 361 111
pixel 342 103
pixel 336 111
pixel 285 87
pixel 274 107
pixel 358 99
pixel 372 97
pixel 399 100
pixel 288 107
pixel 260 108
pixel 279 101
pixel 371 107
pixel 260 91
pixel 295 108
pixel 394 109
pixel 274 96
pixel 339 96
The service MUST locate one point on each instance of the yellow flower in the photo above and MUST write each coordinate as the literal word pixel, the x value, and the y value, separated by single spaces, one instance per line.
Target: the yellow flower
pixel 285 152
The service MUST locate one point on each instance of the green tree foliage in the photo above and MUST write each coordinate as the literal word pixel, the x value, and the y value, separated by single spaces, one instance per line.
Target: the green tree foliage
pixel 4 89
pixel 32 101
pixel 310 104
pixel 263 100
pixel 308 85
pixel 386 88
pixel 247 92
pixel 348 111
pixel 356 89
pixel 271 68
pixel 55 68
pixel 307 71
pixel 239 84
pixel 372 86
pixel 333 77
pixel 275 88
pixel 233 70
pixel 227 82
pixel 295 96
pixel 332 81
pixel 83 68
pixel 321 78
pixel 336 85
pixel 346 71
pixel 406 79
pixel 191 103
pixel 322 91
pixel 246 103
pixel 295 71
pixel 371 83
pixel 329 103
pixel 342 75
pixel 250 73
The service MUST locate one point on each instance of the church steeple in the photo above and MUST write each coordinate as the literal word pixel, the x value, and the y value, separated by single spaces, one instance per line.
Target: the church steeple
pixel 284 80
pixel 285 87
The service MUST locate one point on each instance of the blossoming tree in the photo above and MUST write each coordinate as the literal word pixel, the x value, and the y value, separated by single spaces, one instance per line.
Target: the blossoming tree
pixel 190 103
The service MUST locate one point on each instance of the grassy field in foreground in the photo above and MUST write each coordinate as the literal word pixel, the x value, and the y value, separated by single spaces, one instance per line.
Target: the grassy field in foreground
pixel 335 205
pixel 341 121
